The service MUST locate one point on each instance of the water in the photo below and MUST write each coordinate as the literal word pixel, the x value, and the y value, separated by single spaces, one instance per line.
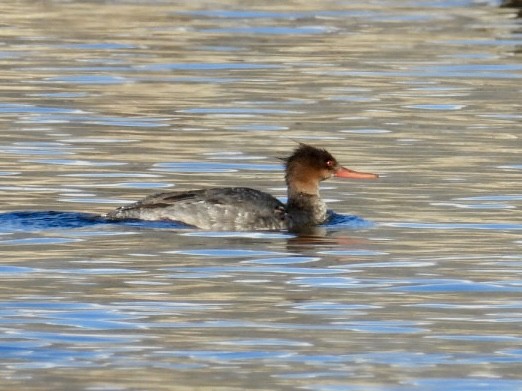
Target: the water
pixel 414 286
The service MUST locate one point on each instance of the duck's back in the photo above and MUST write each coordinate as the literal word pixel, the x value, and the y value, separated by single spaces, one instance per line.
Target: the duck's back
pixel 231 208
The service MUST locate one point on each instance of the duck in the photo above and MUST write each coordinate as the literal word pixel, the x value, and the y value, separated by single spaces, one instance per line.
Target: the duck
pixel 247 209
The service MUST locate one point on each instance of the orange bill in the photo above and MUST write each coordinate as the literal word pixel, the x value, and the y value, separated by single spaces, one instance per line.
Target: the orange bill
pixel 344 172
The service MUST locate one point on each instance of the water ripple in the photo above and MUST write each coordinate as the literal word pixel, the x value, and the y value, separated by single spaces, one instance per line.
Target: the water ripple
pixel 455 226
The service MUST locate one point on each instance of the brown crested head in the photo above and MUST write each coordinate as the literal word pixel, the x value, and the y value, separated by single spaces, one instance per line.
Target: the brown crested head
pixel 309 163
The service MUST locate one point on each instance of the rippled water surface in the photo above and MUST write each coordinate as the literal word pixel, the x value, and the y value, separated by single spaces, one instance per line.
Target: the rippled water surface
pixel 415 285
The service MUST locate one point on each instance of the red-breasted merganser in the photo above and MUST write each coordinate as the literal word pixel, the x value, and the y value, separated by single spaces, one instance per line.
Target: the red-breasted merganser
pixel 245 209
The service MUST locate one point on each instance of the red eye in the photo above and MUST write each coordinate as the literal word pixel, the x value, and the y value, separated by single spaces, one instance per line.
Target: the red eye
pixel 330 163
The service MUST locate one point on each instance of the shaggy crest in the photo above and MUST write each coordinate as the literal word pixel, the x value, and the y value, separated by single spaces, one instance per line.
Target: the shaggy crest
pixel 317 157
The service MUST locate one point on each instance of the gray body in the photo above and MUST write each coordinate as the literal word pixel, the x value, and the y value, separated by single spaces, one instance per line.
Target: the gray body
pixel 230 209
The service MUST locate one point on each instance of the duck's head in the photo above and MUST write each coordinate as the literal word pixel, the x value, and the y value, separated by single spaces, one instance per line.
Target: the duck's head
pixel 308 165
